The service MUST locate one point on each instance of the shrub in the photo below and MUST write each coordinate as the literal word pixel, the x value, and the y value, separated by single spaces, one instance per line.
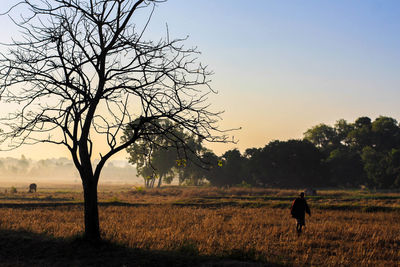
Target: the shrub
pixel 140 189
pixel 244 185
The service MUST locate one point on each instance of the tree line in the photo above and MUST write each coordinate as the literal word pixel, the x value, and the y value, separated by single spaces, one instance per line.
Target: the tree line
pixel 361 153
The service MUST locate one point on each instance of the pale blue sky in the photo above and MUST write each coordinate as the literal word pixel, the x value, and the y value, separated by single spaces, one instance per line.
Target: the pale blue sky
pixel 283 66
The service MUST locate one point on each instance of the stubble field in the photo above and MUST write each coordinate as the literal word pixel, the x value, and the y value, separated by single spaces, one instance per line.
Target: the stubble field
pixel 214 227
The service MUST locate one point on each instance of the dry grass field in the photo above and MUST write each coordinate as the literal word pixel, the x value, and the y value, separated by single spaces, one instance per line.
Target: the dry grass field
pixel 212 225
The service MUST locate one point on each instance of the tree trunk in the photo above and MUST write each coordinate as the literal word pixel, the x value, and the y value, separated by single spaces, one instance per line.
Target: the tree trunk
pixel 159 181
pixel 92 229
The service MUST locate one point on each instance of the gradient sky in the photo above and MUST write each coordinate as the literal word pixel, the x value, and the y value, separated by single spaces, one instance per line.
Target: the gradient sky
pixel 284 66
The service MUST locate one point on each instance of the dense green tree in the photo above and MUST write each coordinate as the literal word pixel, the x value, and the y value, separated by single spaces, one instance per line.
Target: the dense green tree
pixel 345 155
pixel 154 155
pixel 227 170
pixel 321 135
pixel 345 168
pixel 293 163
pixel 382 167
pixel 375 165
pixel 361 135
pixel 210 168
pixel 379 142
pixel 232 169
pixel 342 129
pixel 394 167
pixel 254 167
pixel 190 169
pixel 328 138
pixel 363 152
pixel 162 157
pixel 385 133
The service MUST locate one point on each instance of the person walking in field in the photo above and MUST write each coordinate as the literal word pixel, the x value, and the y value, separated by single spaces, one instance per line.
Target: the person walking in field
pixel 298 211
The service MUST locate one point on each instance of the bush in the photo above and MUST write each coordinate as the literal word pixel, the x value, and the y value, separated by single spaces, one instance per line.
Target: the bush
pixel 139 189
pixel 244 185
pixel 13 190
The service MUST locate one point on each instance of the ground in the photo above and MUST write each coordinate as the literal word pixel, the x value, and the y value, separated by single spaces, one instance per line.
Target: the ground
pixel 199 227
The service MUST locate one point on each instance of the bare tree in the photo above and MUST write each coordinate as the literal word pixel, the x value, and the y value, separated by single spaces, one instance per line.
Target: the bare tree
pixel 82 69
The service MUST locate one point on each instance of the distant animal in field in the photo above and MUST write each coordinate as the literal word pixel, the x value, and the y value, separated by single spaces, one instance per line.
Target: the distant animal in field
pixel 32 188
pixel 310 192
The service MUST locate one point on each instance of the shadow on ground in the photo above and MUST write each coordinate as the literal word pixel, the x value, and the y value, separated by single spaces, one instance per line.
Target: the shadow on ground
pixel 21 248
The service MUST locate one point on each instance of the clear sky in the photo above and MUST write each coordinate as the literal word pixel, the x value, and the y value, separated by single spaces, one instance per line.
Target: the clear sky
pixel 283 66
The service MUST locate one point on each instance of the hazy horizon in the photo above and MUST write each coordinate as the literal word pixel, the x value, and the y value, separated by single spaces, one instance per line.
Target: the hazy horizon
pixel 60 171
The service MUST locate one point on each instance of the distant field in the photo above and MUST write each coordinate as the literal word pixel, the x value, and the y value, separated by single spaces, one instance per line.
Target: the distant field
pixel 251 225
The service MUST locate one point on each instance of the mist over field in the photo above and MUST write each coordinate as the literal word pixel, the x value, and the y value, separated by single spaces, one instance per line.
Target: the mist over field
pixel 22 171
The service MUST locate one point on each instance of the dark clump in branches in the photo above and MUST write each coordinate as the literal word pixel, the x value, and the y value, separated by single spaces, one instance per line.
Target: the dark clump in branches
pixel 82 70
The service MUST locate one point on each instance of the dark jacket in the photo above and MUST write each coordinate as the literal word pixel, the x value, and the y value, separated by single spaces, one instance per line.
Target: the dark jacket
pixel 299 208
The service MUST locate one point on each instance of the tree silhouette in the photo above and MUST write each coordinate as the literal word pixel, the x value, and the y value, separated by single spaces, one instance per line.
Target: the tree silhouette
pixel 82 70
pixel 365 152
pixel 292 163
pixel 155 155
pixel 321 135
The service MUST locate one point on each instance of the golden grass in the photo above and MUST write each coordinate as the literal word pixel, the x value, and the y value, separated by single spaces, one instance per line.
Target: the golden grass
pixel 331 238
pixel 212 191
